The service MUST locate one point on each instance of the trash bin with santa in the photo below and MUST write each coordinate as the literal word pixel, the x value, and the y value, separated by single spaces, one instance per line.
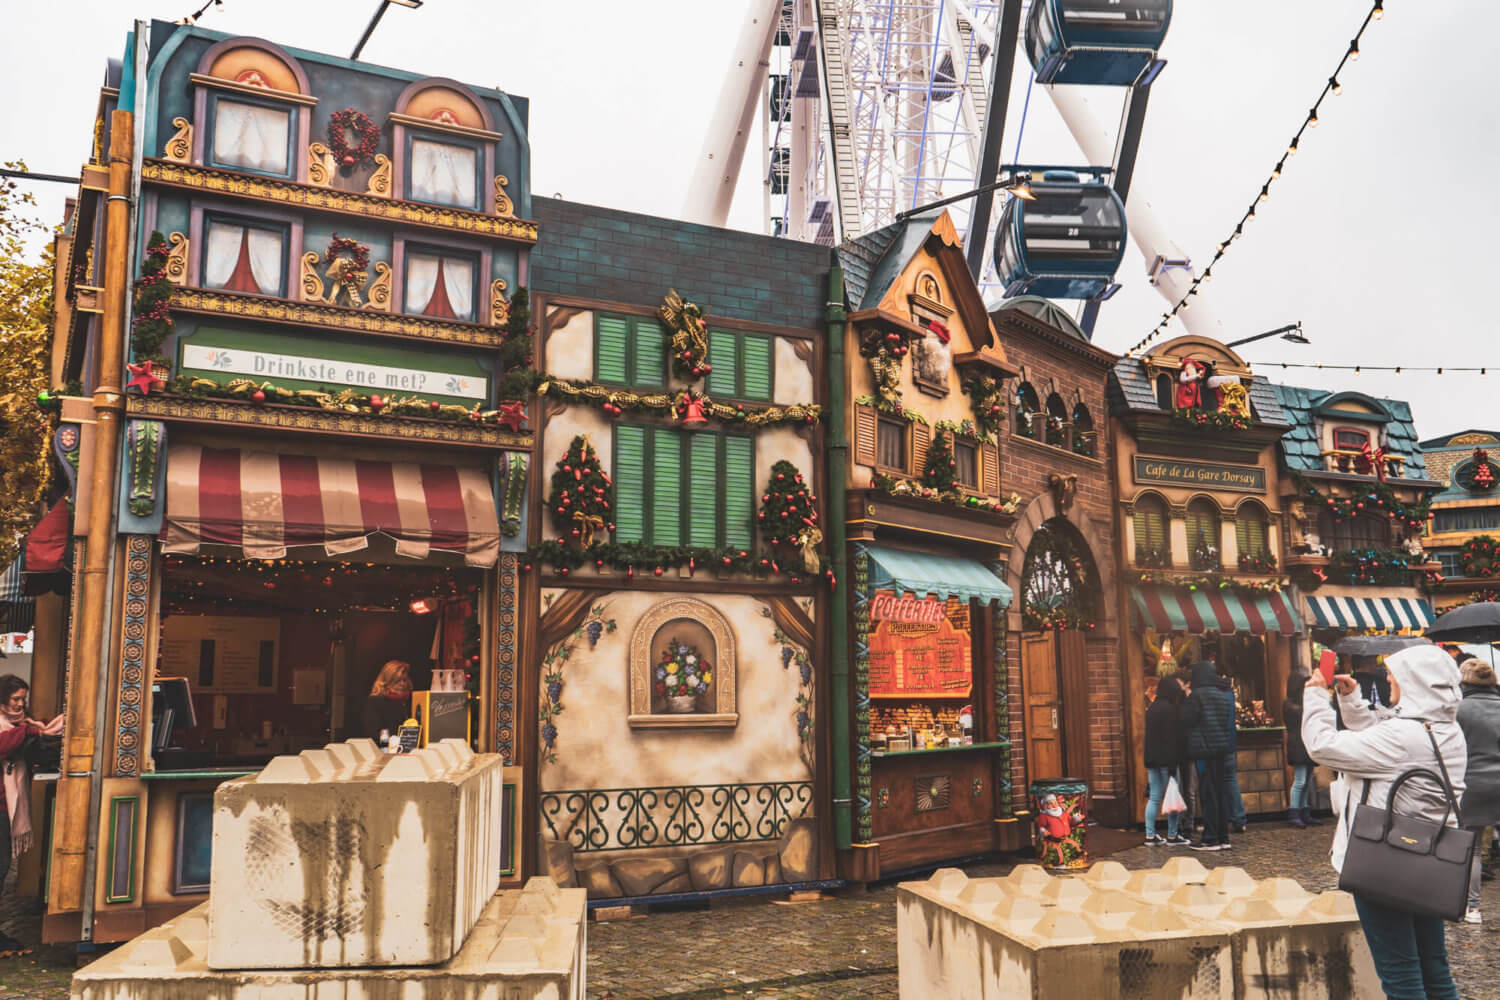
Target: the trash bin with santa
pixel 1060 807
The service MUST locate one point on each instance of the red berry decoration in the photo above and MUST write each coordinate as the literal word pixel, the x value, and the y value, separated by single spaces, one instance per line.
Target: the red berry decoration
pixel 377 403
pixel 436 405
pixel 340 125
pixel 657 571
pixel 259 395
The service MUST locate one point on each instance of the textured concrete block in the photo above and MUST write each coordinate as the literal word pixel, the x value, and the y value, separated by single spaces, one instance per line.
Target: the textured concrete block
pixel 526 945
pixel 346 857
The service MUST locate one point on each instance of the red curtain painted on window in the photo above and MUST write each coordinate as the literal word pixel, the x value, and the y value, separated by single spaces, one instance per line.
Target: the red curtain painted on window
pixel 47 545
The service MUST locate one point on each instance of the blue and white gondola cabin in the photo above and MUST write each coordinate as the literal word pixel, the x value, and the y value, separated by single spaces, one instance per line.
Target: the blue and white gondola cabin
pixel 1065 244
pixel 1102 42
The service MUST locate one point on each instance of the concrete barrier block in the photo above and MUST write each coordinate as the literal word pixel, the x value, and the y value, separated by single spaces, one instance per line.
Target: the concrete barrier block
pixel 1111 910
pixel 1107 875
pixel 1065 891
pixel 1231 881
pixel 948 882
pixel 318 864
pixel 509 956
pixel 1185 870
pixel 1027 880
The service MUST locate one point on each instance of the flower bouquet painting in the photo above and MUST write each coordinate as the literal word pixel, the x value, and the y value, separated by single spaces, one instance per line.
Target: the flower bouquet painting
pixel 681 676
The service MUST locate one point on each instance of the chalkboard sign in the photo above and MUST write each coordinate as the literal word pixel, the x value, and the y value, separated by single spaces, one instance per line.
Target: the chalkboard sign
pixel 919 647
pixel 408 735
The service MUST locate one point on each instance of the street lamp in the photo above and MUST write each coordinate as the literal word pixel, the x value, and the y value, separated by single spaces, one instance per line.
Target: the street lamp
pixel 1292 332
pixel 379 13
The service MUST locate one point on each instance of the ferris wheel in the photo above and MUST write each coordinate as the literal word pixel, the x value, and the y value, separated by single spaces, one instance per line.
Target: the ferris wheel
pixel 873 108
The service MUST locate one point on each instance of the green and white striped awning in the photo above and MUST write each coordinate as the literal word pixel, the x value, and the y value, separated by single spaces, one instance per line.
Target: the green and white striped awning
pixel 924 574
pixel 1360 614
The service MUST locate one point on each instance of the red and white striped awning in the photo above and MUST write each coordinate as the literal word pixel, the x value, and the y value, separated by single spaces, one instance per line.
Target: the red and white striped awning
pixel 264 503
pixel 1198 610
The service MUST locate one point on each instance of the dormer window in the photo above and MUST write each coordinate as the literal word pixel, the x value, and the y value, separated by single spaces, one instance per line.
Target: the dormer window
pixel 444 173
pixel 243 256
pixel 252 109
pixel 440 285
pixel 1350 439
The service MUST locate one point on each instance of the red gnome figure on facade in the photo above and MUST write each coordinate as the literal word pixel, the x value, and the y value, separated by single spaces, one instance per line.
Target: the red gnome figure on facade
pixel 1190 384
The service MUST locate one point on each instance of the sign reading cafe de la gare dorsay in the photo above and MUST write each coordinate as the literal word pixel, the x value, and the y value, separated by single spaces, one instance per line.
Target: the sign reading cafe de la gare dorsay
pixel 1239 478
pixel 919 646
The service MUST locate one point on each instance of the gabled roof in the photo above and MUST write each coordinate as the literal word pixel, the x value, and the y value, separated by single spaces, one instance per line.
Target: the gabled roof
pixel 872 262
pixel 1047 311
pixel 1131 391
pixel 1300 447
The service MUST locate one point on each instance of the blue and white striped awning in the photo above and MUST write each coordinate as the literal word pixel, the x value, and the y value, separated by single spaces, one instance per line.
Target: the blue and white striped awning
pixel 1382 614
pixel 17 611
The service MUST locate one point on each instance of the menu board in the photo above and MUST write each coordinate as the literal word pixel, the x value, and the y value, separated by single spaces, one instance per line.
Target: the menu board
pixel 919 647
pixel 221 653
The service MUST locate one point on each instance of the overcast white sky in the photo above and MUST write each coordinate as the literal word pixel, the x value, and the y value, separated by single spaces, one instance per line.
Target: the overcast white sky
pixel 1379 237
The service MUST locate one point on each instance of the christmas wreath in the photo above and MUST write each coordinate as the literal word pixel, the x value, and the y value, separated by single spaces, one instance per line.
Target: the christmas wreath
pixel 355 252
pixel 340 124
pixel 1480 556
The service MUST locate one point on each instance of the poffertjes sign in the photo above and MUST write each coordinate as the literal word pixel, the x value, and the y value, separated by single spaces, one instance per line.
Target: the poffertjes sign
pixel 919 647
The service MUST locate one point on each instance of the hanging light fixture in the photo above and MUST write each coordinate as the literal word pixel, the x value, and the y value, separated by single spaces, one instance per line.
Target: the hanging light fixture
pixel 1335 86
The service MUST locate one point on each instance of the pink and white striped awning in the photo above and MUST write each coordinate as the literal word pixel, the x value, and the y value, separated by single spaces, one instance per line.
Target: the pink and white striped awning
pixel 264 503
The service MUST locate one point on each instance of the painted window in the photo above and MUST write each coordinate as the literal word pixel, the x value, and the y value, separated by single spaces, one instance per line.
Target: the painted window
pixel 1466 519
pixel 441 285
pixel 1152 545
pixel 252 136
pixel 1451 563
pixel 1349 439
pixel 1203 534
pixel 1250 531
pixel 890 444
pixel 1028 406
pixel 241 256
pixel 743 365
pixel 629 350
pixel 966 464
pixel 443 173
pixel 1166 392
pixel 679 488
pixel 1362 532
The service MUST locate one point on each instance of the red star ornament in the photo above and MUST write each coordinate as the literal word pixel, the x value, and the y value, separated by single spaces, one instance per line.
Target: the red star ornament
pixel 142 379
pixel 513 414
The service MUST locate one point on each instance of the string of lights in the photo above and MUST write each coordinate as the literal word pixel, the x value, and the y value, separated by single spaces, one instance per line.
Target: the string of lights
pixel 193 17
pixel 1334 87
pixel 1388 369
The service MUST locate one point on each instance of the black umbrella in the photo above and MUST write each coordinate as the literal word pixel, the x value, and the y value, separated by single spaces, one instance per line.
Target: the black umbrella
pixel 1479 622
pixel 1376 645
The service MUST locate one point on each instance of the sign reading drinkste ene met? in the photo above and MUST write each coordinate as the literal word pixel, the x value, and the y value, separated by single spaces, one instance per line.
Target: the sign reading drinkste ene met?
pixel 358 375
pixel 1239 478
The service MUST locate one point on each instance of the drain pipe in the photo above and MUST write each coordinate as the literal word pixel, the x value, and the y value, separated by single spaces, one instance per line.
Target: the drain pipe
pixel 838 648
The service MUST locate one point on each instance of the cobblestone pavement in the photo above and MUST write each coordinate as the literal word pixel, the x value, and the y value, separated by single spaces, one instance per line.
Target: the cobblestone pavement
pixel 838 949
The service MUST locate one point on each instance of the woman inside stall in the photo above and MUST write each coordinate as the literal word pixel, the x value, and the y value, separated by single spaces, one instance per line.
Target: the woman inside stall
pixel 16 728
pixel 389 703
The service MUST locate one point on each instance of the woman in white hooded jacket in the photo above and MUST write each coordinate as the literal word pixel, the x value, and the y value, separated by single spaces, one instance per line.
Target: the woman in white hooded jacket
pixel 1378 746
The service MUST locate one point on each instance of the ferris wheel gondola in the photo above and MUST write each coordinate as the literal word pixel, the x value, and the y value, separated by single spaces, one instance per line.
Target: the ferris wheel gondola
pixel 1065 242
pixel 1101 42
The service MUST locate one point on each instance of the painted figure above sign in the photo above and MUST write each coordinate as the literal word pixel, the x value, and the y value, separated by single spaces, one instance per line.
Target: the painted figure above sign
pixel 1236 478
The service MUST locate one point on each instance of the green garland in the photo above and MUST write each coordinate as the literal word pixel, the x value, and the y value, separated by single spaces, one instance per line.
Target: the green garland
pixel 1378 498
pixel 655 560
pixel 1257 564
pixel 515 355
pixel 1371 567
pixel 964 428
pixel 1059 619
pixel 1205 581
pixel 151 322
pixel 915 490
pixel 891 409
pixel 616 402
pixel 344 400
pixel 987 396
pixel 1210 420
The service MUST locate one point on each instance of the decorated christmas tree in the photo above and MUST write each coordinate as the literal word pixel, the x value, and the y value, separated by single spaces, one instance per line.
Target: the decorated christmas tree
pixel 940 473
pixel 580 497
pixel 153 297
pixel 788 510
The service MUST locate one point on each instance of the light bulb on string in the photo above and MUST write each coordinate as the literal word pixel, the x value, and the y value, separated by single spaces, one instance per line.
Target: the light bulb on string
pixel 1291 150
pixel 1354 50
pixel 1379 12
pixel 1279 164
pixel 1265 192
pixel 1335 86
pixel 1312 118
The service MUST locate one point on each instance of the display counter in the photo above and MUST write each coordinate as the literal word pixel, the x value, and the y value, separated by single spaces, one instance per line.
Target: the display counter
pixel 1261 760
pixel 934 804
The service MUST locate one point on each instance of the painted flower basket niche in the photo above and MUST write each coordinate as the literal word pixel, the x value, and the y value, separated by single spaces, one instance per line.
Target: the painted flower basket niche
pixel 682 676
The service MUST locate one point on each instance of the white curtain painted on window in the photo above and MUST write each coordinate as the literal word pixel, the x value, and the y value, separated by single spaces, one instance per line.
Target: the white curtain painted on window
pixel 443 174
pixel 226 242
pixel 248 135
pixel 421 285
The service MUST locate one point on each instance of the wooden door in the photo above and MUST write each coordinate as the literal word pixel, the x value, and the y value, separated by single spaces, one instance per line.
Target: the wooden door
pixel 1073 671
pixel 1044 746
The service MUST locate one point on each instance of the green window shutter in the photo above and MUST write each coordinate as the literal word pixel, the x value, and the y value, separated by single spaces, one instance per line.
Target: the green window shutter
pixel 724 359
pixel 703 490
pixel 630 483
pixel 1150 528
pixel 1250 534
pixel 1202 528
pixel 611 348
pixel 739 491
pixel 666 488
pixel 759 363
pixel 650 353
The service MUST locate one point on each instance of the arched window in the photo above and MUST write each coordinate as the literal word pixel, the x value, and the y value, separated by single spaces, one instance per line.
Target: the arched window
pixel 1251 537
pixel 1166 392
pixel 1349 534
pixel 1059 583
pixel 1203 534
pixel 1085 440
pixel 1153 546
pixel 1057 421
pixel 1028 406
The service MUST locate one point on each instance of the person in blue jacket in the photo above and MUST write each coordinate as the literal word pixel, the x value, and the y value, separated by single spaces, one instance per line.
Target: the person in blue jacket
pixel 1208 718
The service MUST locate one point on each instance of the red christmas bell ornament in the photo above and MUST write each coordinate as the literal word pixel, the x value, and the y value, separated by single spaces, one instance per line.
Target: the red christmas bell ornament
pixel 692 413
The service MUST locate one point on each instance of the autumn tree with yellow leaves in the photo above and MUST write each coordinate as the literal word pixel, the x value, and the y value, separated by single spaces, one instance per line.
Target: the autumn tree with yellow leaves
pixel 25 340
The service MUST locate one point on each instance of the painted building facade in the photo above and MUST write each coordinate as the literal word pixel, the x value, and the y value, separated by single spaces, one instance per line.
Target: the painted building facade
pixel 1462 533
pixel 291 302
pixel 1198 528
pixel 678 675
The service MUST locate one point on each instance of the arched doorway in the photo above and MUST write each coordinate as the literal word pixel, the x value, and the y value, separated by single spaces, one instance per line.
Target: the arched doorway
pixel 1059 607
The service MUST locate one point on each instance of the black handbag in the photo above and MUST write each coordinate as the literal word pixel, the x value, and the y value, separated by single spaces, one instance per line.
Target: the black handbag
pixel 43 753
pixel 1407 863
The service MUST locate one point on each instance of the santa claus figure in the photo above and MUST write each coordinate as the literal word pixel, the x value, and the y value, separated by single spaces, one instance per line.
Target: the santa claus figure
pixel 1190 384
pixel 1055 824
